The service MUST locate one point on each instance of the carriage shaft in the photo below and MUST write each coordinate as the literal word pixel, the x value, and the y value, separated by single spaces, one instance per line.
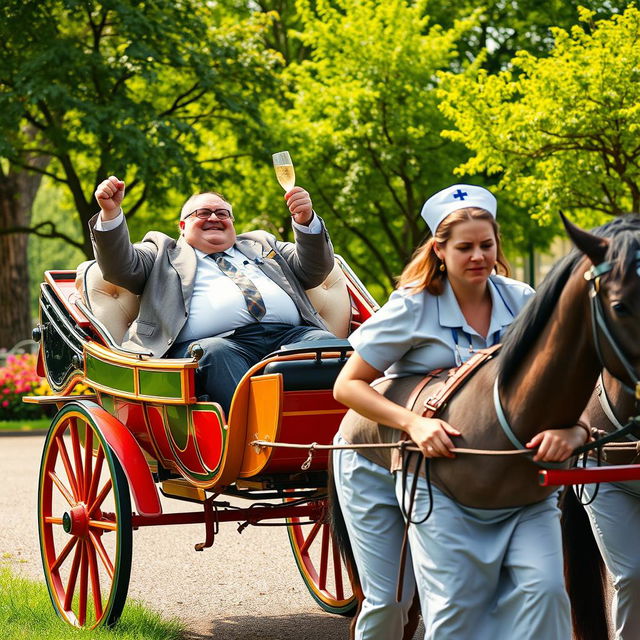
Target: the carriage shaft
pixel 618 473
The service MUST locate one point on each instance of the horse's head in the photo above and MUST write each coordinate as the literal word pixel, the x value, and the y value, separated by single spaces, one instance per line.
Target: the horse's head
pixel 614 275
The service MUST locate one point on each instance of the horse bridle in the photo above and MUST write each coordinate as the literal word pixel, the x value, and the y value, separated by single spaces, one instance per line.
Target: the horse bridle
pixel 599 321
pixel 599 328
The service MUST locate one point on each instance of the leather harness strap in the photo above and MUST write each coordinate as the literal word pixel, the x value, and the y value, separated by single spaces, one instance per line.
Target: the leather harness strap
pixel 457 378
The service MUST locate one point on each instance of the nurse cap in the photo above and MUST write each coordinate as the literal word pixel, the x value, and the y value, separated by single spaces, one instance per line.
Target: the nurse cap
pixel 458 196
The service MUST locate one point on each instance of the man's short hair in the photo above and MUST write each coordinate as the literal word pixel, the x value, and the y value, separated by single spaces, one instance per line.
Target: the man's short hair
pixel 186 207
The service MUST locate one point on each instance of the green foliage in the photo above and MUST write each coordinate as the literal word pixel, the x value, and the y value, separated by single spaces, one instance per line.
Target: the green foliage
pixel 560 131
pixel 364 126
pixel 126 87
pixel 507 26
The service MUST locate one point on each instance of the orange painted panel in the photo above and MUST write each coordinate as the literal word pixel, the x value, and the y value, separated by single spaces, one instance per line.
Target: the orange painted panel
pixel 263 421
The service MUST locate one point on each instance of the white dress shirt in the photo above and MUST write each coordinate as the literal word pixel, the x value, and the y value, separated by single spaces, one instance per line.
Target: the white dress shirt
pixel 217 305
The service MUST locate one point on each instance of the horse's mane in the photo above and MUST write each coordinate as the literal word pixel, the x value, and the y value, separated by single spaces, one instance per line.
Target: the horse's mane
pixel 532 319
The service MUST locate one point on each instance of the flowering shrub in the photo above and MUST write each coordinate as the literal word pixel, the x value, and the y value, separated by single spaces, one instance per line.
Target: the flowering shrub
pixel 18 378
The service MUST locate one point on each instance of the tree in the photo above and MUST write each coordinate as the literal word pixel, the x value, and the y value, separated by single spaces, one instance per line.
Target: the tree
pixel 364 122
pixel 17 193
pixel 560 130
pixel 127 87
pixel 504 27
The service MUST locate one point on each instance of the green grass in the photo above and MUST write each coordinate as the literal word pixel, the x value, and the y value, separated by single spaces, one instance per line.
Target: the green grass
pixel 28 424
pixel 26 613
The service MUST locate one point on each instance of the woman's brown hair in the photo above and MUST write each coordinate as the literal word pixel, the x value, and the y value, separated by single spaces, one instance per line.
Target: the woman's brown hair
pixel 423 271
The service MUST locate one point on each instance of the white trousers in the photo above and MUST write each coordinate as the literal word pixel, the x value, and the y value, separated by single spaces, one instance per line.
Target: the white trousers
pixel 615 521
pixel 367 498
pixel 489 574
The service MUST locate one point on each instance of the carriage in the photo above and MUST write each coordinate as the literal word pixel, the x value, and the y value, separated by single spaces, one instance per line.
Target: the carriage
pixel 140 432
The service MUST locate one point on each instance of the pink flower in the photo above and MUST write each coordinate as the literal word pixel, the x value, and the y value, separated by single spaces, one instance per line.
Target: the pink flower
pixel 5 403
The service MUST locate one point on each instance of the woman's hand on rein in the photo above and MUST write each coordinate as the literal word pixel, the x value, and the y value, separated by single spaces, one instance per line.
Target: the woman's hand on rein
pixel 432 436
pixel 556 445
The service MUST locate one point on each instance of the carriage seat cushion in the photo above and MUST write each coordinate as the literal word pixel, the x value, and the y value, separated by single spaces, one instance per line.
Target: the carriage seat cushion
pixel 332 301
pixel 116 308
pixel 305 375
pixel 318 373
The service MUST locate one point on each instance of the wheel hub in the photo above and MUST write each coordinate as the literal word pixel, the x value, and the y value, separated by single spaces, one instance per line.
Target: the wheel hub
pixel 76 521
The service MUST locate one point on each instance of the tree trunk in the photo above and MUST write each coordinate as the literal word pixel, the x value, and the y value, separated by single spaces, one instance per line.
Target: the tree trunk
pixel 18 189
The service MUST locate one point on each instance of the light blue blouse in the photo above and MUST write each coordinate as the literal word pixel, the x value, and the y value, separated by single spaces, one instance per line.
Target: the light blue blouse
pixel 415 333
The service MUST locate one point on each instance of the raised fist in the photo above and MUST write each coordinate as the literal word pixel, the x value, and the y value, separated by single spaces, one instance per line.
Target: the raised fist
pixel 109 194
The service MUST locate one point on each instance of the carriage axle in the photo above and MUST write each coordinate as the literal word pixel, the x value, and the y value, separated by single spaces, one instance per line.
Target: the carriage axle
pixel 212 515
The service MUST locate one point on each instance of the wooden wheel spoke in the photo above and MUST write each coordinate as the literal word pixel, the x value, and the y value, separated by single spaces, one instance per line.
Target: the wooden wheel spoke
pixel 63 554
pixel 88 460
pixel 105 525
pixel 97 470
pixel 324 556
pixel 337 570
pixel 84 585
pixel 104 492
pixel 102 553
pixel 311 537
pixel 64 455
pixel 53 520
pixel 63 490
pixel 73 576
pixel 95 581
pixel 77 456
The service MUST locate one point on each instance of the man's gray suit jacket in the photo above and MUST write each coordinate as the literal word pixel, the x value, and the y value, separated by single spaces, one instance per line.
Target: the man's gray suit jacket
pixel 162 270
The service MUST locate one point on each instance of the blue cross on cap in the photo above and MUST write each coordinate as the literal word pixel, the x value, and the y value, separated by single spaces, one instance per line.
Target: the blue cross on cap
pixel 455 197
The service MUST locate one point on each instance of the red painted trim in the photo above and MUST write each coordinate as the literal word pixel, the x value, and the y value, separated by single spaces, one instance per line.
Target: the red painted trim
pixel 130 456
pixel 618 473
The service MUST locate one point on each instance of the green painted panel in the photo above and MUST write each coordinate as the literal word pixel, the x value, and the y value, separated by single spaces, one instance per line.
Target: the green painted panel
pixel 178 419
pixel 108 403
pixel 110 375
pixel 160 384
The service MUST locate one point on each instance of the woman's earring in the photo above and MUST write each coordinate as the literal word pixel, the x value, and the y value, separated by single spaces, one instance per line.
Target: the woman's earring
pixel 442 267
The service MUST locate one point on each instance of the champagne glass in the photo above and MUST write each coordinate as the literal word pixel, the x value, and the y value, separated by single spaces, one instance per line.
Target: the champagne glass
pixel 284 170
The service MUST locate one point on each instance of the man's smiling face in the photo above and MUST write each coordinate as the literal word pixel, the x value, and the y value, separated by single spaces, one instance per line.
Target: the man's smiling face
pixel 212 234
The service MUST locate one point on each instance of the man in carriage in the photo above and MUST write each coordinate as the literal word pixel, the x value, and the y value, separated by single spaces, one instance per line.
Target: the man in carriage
pixel 239 297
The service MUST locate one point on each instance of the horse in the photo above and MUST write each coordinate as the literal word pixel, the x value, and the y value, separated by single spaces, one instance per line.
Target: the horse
pixel 584 316
pixel 611 404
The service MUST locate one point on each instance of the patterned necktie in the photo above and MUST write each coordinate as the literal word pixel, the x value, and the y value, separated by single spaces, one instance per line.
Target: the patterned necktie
pixel 253 299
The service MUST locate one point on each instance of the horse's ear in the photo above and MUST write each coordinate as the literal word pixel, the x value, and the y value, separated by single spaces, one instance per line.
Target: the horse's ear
pixel 594 247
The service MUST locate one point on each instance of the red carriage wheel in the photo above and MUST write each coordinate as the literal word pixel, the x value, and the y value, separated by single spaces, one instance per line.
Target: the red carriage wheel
pixel 84 521
pixel 321 565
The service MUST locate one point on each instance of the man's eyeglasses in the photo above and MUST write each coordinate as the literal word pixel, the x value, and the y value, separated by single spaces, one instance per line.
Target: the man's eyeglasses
pixel 205 214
